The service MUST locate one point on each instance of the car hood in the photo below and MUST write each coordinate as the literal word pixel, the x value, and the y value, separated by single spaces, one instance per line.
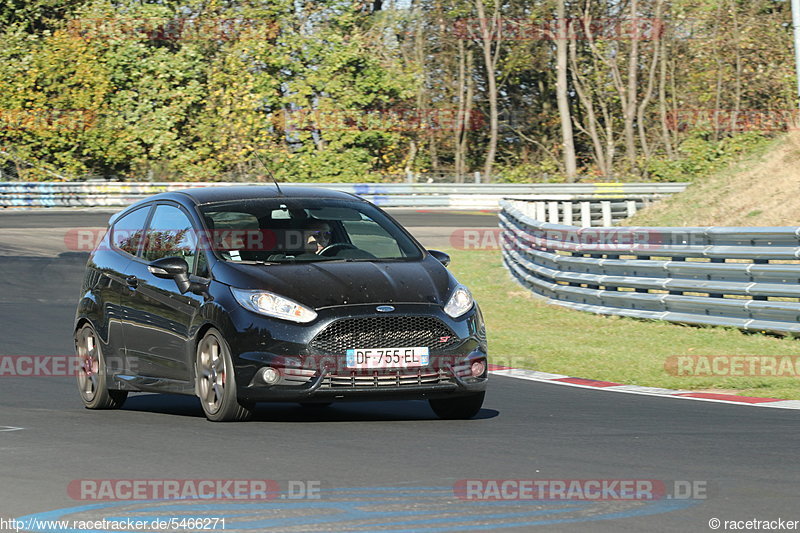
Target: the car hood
pixel 328 284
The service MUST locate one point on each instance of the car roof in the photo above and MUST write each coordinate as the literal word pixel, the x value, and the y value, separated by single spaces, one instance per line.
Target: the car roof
pixel 207 195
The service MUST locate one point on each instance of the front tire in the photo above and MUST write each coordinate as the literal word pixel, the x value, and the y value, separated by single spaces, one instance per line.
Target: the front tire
pixel 460 408
pixel 215 382
pixel 92 379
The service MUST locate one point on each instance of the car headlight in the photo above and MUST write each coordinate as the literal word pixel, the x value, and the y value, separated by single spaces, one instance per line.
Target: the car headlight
pixel 460 302
pixel 270 304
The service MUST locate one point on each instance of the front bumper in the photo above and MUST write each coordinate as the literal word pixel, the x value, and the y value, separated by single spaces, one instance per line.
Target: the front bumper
pixel 310 375
pixel 315 390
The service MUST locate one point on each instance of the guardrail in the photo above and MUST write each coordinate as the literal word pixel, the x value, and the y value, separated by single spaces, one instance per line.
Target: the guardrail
pixel 464 196
pixel 589 212
pixel 747 278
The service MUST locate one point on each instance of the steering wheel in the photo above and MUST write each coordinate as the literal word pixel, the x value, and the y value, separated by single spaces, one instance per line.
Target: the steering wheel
pixel 333 249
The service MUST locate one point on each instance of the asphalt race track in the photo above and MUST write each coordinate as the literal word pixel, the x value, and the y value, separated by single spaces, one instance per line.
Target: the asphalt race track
pixel 379 466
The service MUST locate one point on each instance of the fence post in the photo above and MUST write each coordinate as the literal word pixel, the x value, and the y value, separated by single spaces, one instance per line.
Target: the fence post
pixel 605 207
pixel 631 207
pixel 477 177
pixel 540 211
pixel 567 207
pixel 586 215
pixel 552 208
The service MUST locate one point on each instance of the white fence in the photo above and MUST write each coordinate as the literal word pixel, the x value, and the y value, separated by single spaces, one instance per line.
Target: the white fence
pixel 622 197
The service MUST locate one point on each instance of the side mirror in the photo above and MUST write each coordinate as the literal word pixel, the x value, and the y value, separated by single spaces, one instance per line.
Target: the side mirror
pixel 441 256
pixel 175 268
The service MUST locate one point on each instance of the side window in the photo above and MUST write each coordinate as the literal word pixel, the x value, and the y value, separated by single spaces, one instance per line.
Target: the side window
pixel 202 265
pixel 129 230
pixel 171 234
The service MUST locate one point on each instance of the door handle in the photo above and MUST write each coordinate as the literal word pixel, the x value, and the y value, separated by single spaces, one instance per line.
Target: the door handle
pixel 132 281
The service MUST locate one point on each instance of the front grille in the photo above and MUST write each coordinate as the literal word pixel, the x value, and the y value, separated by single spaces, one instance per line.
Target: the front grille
pixel 400 378
pixel 384 332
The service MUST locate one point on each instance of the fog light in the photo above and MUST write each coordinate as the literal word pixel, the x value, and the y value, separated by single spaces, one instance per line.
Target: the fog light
pixel 478 368
pixel 269 375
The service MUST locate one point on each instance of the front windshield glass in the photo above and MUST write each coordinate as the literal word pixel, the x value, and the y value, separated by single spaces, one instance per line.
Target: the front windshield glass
pixel 285 230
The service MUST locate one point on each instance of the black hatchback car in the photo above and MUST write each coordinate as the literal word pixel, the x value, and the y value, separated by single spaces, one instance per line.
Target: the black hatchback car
pixel 241 295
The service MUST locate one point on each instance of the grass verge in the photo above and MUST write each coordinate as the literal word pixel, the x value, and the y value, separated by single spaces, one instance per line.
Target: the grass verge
pixel 525 332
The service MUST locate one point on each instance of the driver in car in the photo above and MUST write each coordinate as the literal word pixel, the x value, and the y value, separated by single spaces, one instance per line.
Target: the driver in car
pixel 318 236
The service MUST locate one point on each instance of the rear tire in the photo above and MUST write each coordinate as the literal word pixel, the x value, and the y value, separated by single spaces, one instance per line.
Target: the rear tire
pixel 215 381
pixel 92 379
pixel 461 408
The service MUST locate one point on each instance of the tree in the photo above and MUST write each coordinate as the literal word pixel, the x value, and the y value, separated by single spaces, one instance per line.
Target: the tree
pixel 368 90
pixel 492 40
pixel 570 164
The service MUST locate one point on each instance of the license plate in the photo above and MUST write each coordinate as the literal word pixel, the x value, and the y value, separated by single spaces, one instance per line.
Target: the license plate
pixel 377 358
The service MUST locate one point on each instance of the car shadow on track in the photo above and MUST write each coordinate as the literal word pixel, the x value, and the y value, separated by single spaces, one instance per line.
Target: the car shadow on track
pixel 390 411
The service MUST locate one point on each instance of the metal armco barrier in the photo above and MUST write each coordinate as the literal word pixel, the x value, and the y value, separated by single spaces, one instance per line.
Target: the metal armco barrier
pixel 748 278
pixel 464 196
pixel 589 212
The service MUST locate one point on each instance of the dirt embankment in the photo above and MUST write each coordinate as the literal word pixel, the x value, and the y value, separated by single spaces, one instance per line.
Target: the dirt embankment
pixel 762 190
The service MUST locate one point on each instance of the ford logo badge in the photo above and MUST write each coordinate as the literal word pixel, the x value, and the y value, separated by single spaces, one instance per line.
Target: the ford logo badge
pixel 385 308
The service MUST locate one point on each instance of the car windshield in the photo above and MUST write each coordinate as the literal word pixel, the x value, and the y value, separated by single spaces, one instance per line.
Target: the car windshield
pixel 285 230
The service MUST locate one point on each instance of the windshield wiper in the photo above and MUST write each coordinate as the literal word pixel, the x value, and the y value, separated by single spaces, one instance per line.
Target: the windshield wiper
pixel 251 262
